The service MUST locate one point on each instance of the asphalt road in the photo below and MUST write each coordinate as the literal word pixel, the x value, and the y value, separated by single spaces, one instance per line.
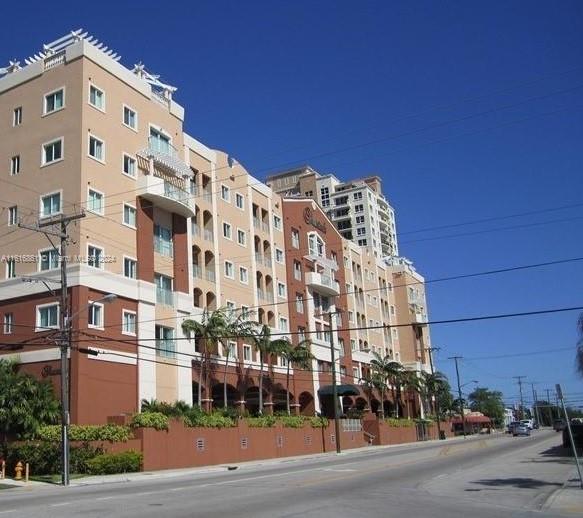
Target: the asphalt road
pixel 489 477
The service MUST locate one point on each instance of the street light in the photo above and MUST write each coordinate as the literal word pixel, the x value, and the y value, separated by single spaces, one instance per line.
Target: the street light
pixel 65 348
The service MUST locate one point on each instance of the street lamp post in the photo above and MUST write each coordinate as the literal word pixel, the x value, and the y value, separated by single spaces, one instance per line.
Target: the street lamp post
pixel 65 346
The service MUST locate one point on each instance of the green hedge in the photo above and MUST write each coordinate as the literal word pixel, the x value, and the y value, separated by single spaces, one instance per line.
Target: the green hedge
pixel 107 432
pixel 264 421
pixel 318 422
pixel 110 463
pixel 156 420
pixel 196 418
pixel 44 458
pixel 400 423
pixel 292 421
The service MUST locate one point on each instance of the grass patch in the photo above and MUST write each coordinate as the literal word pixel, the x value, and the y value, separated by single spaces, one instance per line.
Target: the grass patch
pixel 55 479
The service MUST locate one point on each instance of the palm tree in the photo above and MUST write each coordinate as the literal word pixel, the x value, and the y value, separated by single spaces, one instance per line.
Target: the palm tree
pixel 369 384
pixel 212 330
pixel 392 371
pixel 411 383
pixel 434 384
pixel 300 357
pixel 266 346
pixel 379 378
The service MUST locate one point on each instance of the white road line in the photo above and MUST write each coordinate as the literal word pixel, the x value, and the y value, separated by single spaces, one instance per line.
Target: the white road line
pixel 9 511
pixel 61 504
pixel 107 498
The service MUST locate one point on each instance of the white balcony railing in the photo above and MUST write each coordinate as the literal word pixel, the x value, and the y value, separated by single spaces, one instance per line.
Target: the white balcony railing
pixel 197 271
pixel 323 283
pixel 166 156
pixel 165 297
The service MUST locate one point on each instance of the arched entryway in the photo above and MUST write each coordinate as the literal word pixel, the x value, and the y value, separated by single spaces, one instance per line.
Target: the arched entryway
pixel 219 396
pixel 306 401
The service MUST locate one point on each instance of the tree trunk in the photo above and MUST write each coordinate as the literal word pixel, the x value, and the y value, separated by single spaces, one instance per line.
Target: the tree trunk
pixel 382 403
pixel 260 383
pixel 225 379
pixel 287 390
pixel 200 377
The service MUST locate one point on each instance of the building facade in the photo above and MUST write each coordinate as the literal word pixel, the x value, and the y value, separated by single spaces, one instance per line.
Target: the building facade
pixel 171 228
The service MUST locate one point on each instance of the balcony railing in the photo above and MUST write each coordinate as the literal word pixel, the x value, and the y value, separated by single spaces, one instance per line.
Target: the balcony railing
pixel 163 247
pixel 197 271
pixel 267 261
pixel 210 275
pixel 165 155
pixel 195 230
pixel 177 194
pixel 165 297
pixel 265 227
pixel 208 235
pixel 256 222
pixel 261 294
pixel 207 195
pixel 167 195
pixel 323 283
pixel 258 258
pixel 166 347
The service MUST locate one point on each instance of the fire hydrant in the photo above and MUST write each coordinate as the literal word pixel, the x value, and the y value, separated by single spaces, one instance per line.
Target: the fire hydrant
pixel 18 471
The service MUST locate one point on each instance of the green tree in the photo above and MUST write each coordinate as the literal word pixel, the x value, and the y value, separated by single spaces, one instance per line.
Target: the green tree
pixel 25 403
pixel 412 383
pixel 489 402
pixel 266 346
pixel 391 373
pixel 211 331
pixel 434 384
pixel 299 357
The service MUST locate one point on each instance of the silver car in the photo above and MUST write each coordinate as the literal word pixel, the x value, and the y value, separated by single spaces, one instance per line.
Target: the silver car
pixel 521 429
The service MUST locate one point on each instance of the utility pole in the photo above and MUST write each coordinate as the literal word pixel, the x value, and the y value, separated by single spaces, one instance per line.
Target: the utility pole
pixel 551 413
pixel 521 412
pixel 64 325
pixel 430 350
pixel 561 397
pixel 334 386
pixel 534 405
pixel 459 389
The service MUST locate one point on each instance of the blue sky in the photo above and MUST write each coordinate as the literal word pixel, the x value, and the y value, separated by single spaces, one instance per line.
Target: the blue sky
pixel 466 110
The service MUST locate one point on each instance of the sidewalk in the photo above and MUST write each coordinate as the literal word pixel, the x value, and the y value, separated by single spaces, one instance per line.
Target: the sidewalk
pixel 569 498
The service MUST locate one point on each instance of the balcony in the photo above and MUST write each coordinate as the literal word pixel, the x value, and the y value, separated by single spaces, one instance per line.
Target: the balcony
pixel 165 297
pixel 165 195
pixel 162 155
pixel 196 271
pixel 166 348
pixel 323 283
pixel 210 275
pixel 208 235
pixel 195 230
pixel 418 318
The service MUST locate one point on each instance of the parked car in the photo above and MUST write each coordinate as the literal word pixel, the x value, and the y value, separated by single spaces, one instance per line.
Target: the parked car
pixel 558 425
pixel 527 422
pixel 511 426
pixel 521 429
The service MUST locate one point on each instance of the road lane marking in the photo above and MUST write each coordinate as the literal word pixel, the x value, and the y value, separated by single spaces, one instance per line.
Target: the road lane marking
pixel 107 497
pixel 9 511
pixel 60 504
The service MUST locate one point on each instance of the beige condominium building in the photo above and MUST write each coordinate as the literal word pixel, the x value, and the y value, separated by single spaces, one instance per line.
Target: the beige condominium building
pixel 170 228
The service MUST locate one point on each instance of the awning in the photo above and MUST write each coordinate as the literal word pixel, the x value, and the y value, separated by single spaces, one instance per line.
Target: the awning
pixel 472 419
pixel 343 390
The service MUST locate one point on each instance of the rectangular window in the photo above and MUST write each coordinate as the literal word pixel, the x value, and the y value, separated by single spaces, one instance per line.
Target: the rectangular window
pixel 96 98
pixel 362 242
pixel 276 222
pixel 49 259
pixel 229 269
pixel 245 312
pixel 164 293
pixel 10 269
pixel 353 344
pixel 47 317
pixel 50 204
pixel 128 322
pixel 129 166
pixel 8 323
pixel 283 324
pixel 359 220
pixel 247 353
pixel 15 165
pixel 17 116
pixel 361 231
pixel 96 148
pixel 301 334
pixel 297 271
pixel 159 142
pixel 299 303
pixel 163 241
pixel 95 315
pixel 13 216
pixel 279 257
pixel 94 256
pixel 241 237
pixel 295 238
pixel 281 291
pixel 225 193
pixel 358 196
pixel 54 101
pixel 359 208
pixel 239 201
pixel 165 344
pixel 232 349
pixel 227 231
pixel 130 268
pixel 243 275
pixel 129 215
pixel 95 201
pixel 52 152
pixel 130 118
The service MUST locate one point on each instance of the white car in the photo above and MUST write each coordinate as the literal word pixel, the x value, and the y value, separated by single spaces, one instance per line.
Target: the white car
pixel 528 423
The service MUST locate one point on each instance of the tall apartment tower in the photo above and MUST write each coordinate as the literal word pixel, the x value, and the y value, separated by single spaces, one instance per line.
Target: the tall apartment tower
pixel 358 208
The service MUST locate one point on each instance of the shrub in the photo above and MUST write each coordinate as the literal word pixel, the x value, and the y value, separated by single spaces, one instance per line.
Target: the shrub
pixel 264 421
pixel 44 458
pixel 107 432
pixel 177 409
pixel 292 421
pixel 154 420
pixel 399 423
pixel 197 418
pixel 318 422
pixel 110 463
